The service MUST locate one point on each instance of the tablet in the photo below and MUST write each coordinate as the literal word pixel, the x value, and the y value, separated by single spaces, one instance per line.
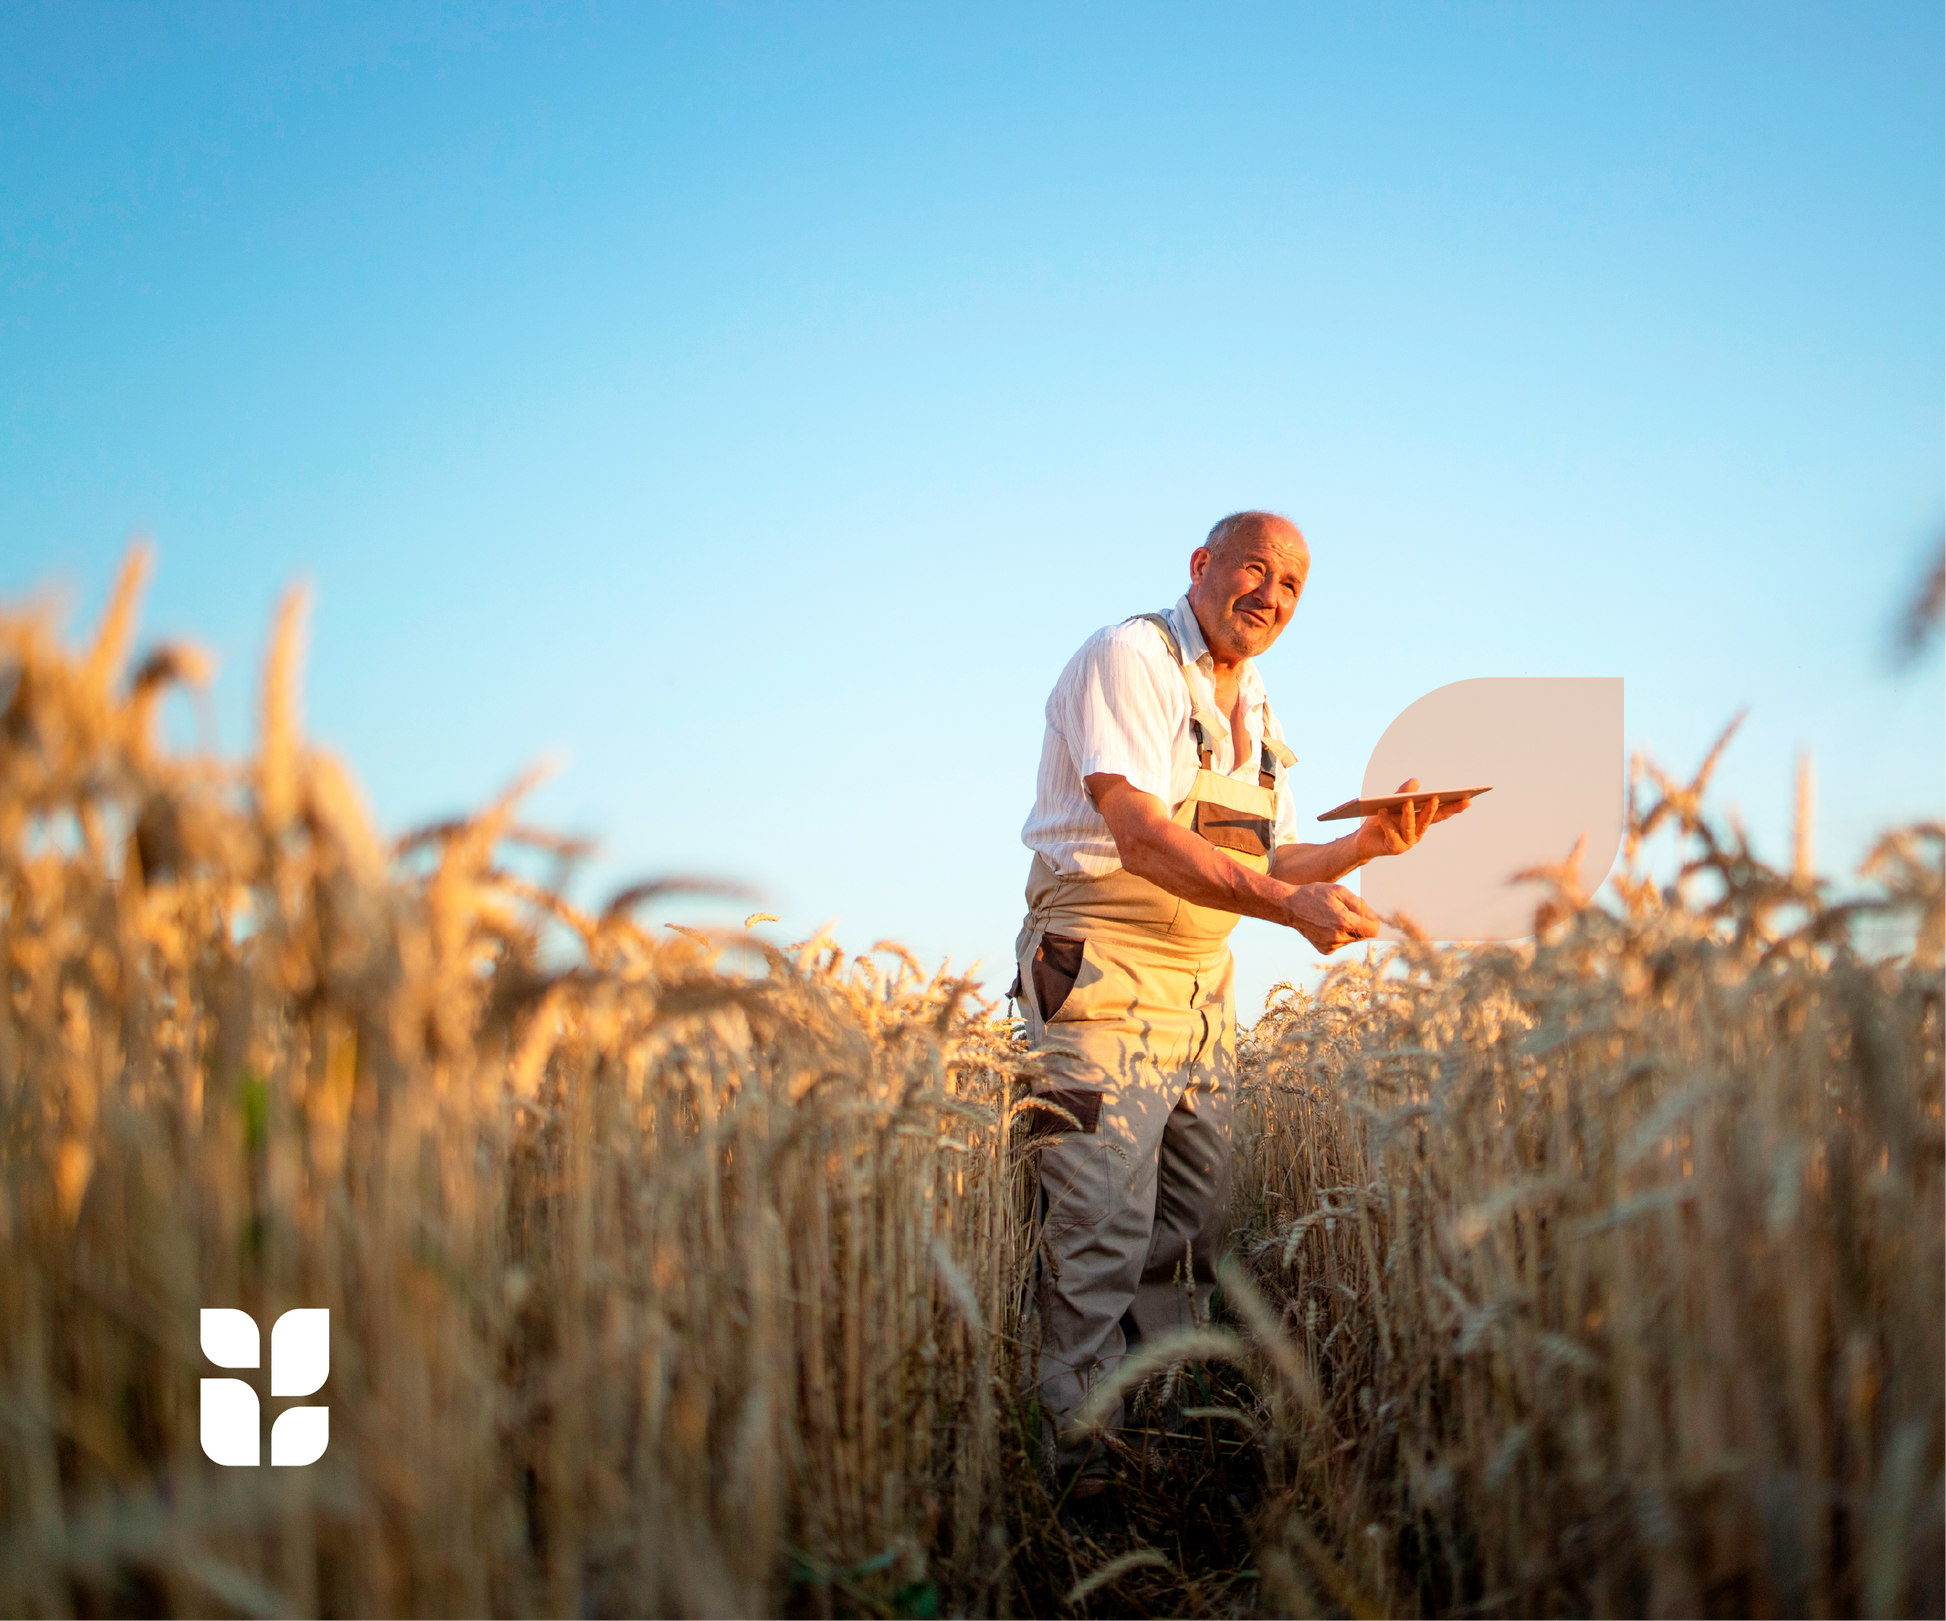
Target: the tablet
pixel 1379 802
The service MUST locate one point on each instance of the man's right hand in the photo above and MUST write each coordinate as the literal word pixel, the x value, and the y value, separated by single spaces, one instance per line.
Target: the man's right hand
pixel 1330 916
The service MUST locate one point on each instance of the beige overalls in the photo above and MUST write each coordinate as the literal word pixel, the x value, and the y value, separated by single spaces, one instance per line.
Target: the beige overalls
pixel 1128 994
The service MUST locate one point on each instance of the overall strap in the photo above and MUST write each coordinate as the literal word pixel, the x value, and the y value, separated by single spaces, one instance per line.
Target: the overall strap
pixel 1161 623
pixel 1272 755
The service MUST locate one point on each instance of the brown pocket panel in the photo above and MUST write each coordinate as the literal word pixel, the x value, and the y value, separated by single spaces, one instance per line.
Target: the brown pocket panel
pixel 1083 1104
pixel 1057 965
pixel 1233 829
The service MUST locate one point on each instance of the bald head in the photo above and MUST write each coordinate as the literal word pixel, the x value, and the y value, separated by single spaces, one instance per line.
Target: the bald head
pixel 1245 581
pixel 1249 526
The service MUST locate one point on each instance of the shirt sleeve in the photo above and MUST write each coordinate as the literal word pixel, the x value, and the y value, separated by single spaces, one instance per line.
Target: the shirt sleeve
pixel 1114 713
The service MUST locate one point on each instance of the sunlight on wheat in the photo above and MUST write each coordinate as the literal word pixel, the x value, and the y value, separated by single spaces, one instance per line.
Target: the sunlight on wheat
pixel 673 1271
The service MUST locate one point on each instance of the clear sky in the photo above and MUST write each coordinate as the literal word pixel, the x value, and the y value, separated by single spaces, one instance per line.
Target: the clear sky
pixel 756 405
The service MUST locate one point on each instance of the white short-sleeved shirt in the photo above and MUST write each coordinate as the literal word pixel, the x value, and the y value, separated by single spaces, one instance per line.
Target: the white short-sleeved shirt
pixel 1122 706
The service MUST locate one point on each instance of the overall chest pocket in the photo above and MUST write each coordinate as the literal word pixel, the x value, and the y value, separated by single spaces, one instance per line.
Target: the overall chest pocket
pixel 1243 831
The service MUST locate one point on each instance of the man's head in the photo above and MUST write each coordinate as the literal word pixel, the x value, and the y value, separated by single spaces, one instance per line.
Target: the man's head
pixel 1245 581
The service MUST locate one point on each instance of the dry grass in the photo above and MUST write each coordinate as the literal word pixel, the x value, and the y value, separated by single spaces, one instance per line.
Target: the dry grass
pixel 676 1274
pixel 654 1287
pixel 1612 1266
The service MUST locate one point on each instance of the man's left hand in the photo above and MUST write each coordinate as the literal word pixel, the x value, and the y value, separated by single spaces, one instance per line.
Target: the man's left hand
pixel 1393 832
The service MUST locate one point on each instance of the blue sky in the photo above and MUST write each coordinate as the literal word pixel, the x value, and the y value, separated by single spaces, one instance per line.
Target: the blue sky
pixel 754 406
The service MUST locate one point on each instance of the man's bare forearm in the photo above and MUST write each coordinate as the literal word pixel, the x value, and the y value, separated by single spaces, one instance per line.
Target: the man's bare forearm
pixel 1193 869
pixel 1316 863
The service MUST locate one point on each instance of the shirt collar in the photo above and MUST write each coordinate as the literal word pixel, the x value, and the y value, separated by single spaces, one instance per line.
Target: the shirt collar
pixel 1195 650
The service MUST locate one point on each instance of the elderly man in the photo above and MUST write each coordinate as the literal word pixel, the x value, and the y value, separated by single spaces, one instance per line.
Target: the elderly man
pixel 1162 814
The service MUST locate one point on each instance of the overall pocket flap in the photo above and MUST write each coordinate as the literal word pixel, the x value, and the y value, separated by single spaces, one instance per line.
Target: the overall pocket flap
pixel 1233 829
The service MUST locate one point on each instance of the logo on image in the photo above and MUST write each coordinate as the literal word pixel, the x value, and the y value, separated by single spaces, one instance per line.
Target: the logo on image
pixel 300 1360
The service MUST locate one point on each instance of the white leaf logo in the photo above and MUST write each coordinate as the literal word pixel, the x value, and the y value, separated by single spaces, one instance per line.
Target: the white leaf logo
pixel 300 1362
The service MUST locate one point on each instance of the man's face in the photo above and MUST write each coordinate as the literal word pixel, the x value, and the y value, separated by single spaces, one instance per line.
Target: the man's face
pixel 1244 596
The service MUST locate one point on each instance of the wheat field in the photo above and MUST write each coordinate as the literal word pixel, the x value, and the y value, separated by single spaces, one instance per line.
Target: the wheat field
pixel 671 1272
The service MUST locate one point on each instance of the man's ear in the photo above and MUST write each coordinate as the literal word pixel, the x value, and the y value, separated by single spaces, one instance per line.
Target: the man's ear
pixel 1198 564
